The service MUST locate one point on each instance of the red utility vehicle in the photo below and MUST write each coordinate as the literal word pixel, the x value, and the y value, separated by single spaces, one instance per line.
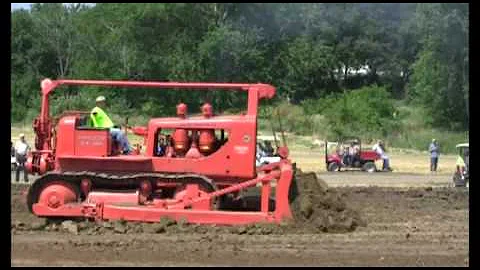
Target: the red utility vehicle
pixel 209 161
pixel 342 157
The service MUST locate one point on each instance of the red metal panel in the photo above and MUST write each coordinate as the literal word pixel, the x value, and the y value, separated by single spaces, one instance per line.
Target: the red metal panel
pixel 92 143
pixel 67 210
pixel 236 158
pixel 66 136
pixel 369 155
pixel 106 164
pixel 282 206
pixel 265 197
pixel 334 158
pixel 150 214
pixel 95 197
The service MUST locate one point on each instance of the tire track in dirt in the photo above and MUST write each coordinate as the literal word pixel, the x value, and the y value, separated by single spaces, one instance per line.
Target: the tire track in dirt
pixel 245 250
pixel 385 179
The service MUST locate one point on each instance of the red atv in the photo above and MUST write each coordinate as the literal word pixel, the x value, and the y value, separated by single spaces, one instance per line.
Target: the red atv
pixel 348 154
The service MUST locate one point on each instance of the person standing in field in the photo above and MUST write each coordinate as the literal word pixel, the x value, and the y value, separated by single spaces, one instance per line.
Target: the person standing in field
pixel 21 152
pixel 379 148
pixel 434 153
pixel 355 151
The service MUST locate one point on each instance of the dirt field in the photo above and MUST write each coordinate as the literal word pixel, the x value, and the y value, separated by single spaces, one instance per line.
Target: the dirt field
pixel 401 160
pixel 421 226
pixel 386 179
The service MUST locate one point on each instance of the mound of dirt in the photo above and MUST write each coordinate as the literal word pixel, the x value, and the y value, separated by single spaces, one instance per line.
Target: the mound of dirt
pixel 316 208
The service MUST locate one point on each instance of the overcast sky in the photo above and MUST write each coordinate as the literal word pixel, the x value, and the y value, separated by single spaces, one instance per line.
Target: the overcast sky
pixel 20 5
pixel 27 5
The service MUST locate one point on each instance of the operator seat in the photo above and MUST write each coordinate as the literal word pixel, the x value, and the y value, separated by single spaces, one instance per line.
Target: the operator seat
pixel 85 123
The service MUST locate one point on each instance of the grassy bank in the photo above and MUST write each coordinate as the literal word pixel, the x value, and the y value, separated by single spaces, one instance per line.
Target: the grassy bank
pixel 413 130
pixel 308 153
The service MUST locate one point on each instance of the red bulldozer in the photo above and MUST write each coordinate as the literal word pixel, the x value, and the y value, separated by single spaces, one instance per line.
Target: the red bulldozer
pixel 209 161
pixel 349 155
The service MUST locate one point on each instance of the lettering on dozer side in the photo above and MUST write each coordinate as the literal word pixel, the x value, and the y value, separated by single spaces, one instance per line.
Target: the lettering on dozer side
pixel 91 140
pixel 240 149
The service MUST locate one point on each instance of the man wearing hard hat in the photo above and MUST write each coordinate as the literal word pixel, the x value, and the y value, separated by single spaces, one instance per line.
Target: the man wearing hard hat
pixel 100 119
pixel 21 152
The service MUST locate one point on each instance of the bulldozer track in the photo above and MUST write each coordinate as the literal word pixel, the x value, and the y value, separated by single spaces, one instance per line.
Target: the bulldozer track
pixel 109 181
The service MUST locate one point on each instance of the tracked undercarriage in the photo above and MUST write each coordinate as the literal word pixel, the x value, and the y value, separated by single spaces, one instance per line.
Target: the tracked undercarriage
pixel 151 196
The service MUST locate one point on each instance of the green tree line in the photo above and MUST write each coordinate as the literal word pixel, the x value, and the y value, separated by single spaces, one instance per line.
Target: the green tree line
pixel 310 52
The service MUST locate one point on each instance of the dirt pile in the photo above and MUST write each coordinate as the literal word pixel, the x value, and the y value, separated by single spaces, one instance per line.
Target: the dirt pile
pixel 316 208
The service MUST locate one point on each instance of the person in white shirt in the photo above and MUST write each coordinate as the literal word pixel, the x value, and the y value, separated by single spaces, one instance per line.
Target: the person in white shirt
pixel 21 152
pixel 380 149
pixel 355 152
pixel 341 152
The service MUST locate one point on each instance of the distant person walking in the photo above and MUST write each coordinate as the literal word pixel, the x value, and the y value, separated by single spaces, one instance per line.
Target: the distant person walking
pixel 434 150
pixel 379 148
pixel 21 152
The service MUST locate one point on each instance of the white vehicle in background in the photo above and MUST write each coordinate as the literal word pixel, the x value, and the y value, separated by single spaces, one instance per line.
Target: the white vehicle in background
pixel 261 157
pixel 461 176
pixel 266 160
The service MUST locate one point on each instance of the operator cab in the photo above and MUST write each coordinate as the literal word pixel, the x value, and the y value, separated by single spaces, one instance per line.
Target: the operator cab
pixel 78 137
pixel 463 158
pixel 84 123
